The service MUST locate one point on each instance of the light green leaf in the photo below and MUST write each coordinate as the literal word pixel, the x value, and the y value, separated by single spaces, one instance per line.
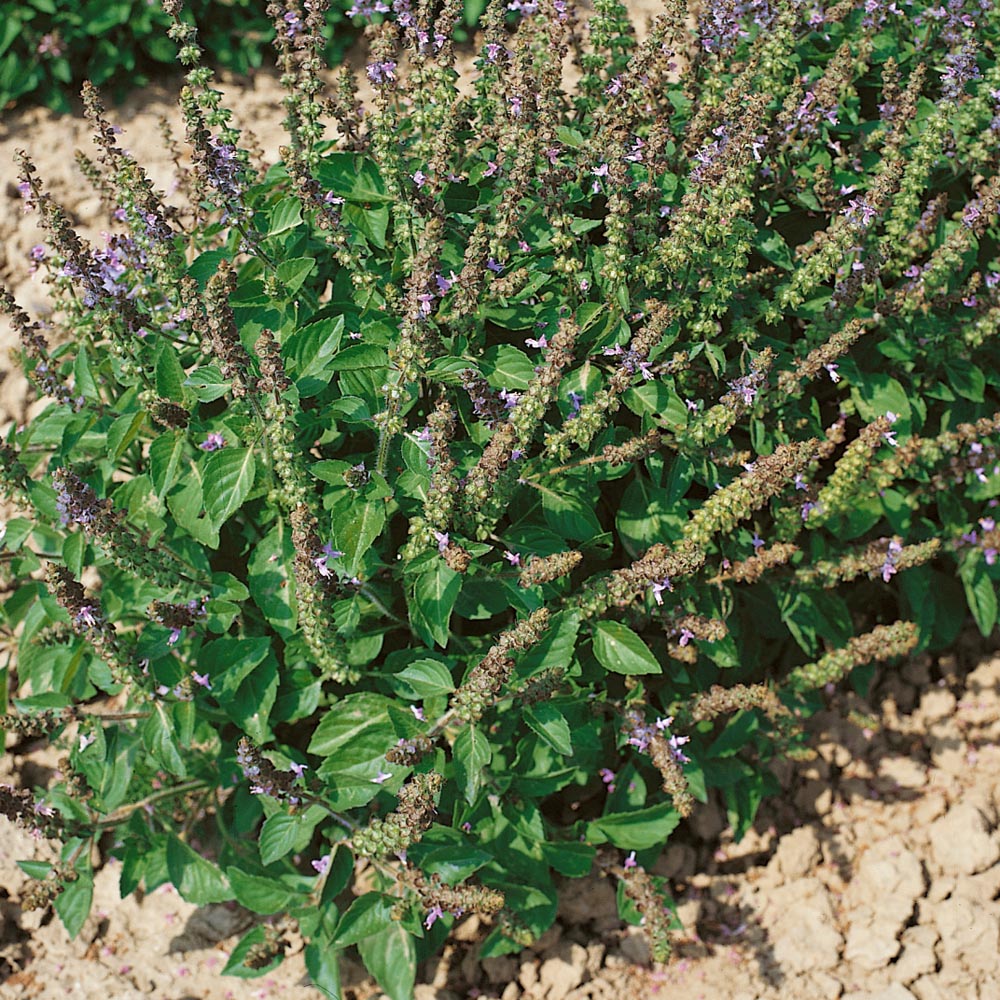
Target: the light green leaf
pixel 391 957
pixel 551 725
pixel 197 879
pixel 472 753
pixel 621 651
pixel 228 479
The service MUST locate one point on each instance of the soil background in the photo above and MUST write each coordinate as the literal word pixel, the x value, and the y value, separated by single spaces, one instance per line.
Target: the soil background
pixel 875 874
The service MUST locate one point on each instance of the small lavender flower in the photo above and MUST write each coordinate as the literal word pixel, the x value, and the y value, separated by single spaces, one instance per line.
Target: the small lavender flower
pixel 859 212
pixel 435 913
pixel 298 769
pixel 321 864
pixel 213 442
pixel 658 587
pixel 201 679
pixel 381 778
pixel 320 562
pixel 441 537
pixel 381 73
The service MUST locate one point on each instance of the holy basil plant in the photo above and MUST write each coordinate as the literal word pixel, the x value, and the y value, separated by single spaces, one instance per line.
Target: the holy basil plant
pixel 445 510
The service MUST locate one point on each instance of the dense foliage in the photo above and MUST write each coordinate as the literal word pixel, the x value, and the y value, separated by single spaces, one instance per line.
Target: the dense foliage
pixel 445 510
pixel 48 47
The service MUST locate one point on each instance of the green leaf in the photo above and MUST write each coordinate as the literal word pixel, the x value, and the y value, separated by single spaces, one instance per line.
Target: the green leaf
pixel 472 753
pixel 455 863
pixel 426 679
pixel 435 593
pixel 551 725
pixel 187 505
pixel 269 580
pixel 637 830
pixel 310 352
pixel 354 177
pixel 74 902
pixel 115 772
pixel 371 222
pixel 287 214
pixel 621 651
pixel 391 957
pixel 160 740
pixel 198 880
pixel 169 372
pixel 771 246
pixel 229 661
pixel 347 719
pixel 357 533
pixel 283 835
pixel 228 479
pixel 569 516
pixel 323 968
pixel 966 379
pixel 123 432
pixel 260 893
pixel 207 383
pixel 205 265
pixel 568 858
pixel 980 594
pixel 293 273
pixel 251 706
pixel 367 915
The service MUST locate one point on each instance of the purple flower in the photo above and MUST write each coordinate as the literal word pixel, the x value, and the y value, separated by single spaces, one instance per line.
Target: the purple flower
pixel 575 400
pixel 381 778
pixel 859 212
pixel 516 454
pixel 381 73
pixel 213 442
pixel 686 636
pixel 515 106
pixel 513 558
pixel 494 266
pixel 614 87
pixel 691 405
pixel 320 562
pixel 658 587
pixel 758 542
pixel 419 178
pixel 831 370
pixel 536 341
pixel 441 537
pixel 321 864
pixel 434 914
pixel 630 861
pixel 800 483
pixel 85 740
pixel 202 680
pixel 298 769
pixel 418 712
pixel 493 49
pixel 492 167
